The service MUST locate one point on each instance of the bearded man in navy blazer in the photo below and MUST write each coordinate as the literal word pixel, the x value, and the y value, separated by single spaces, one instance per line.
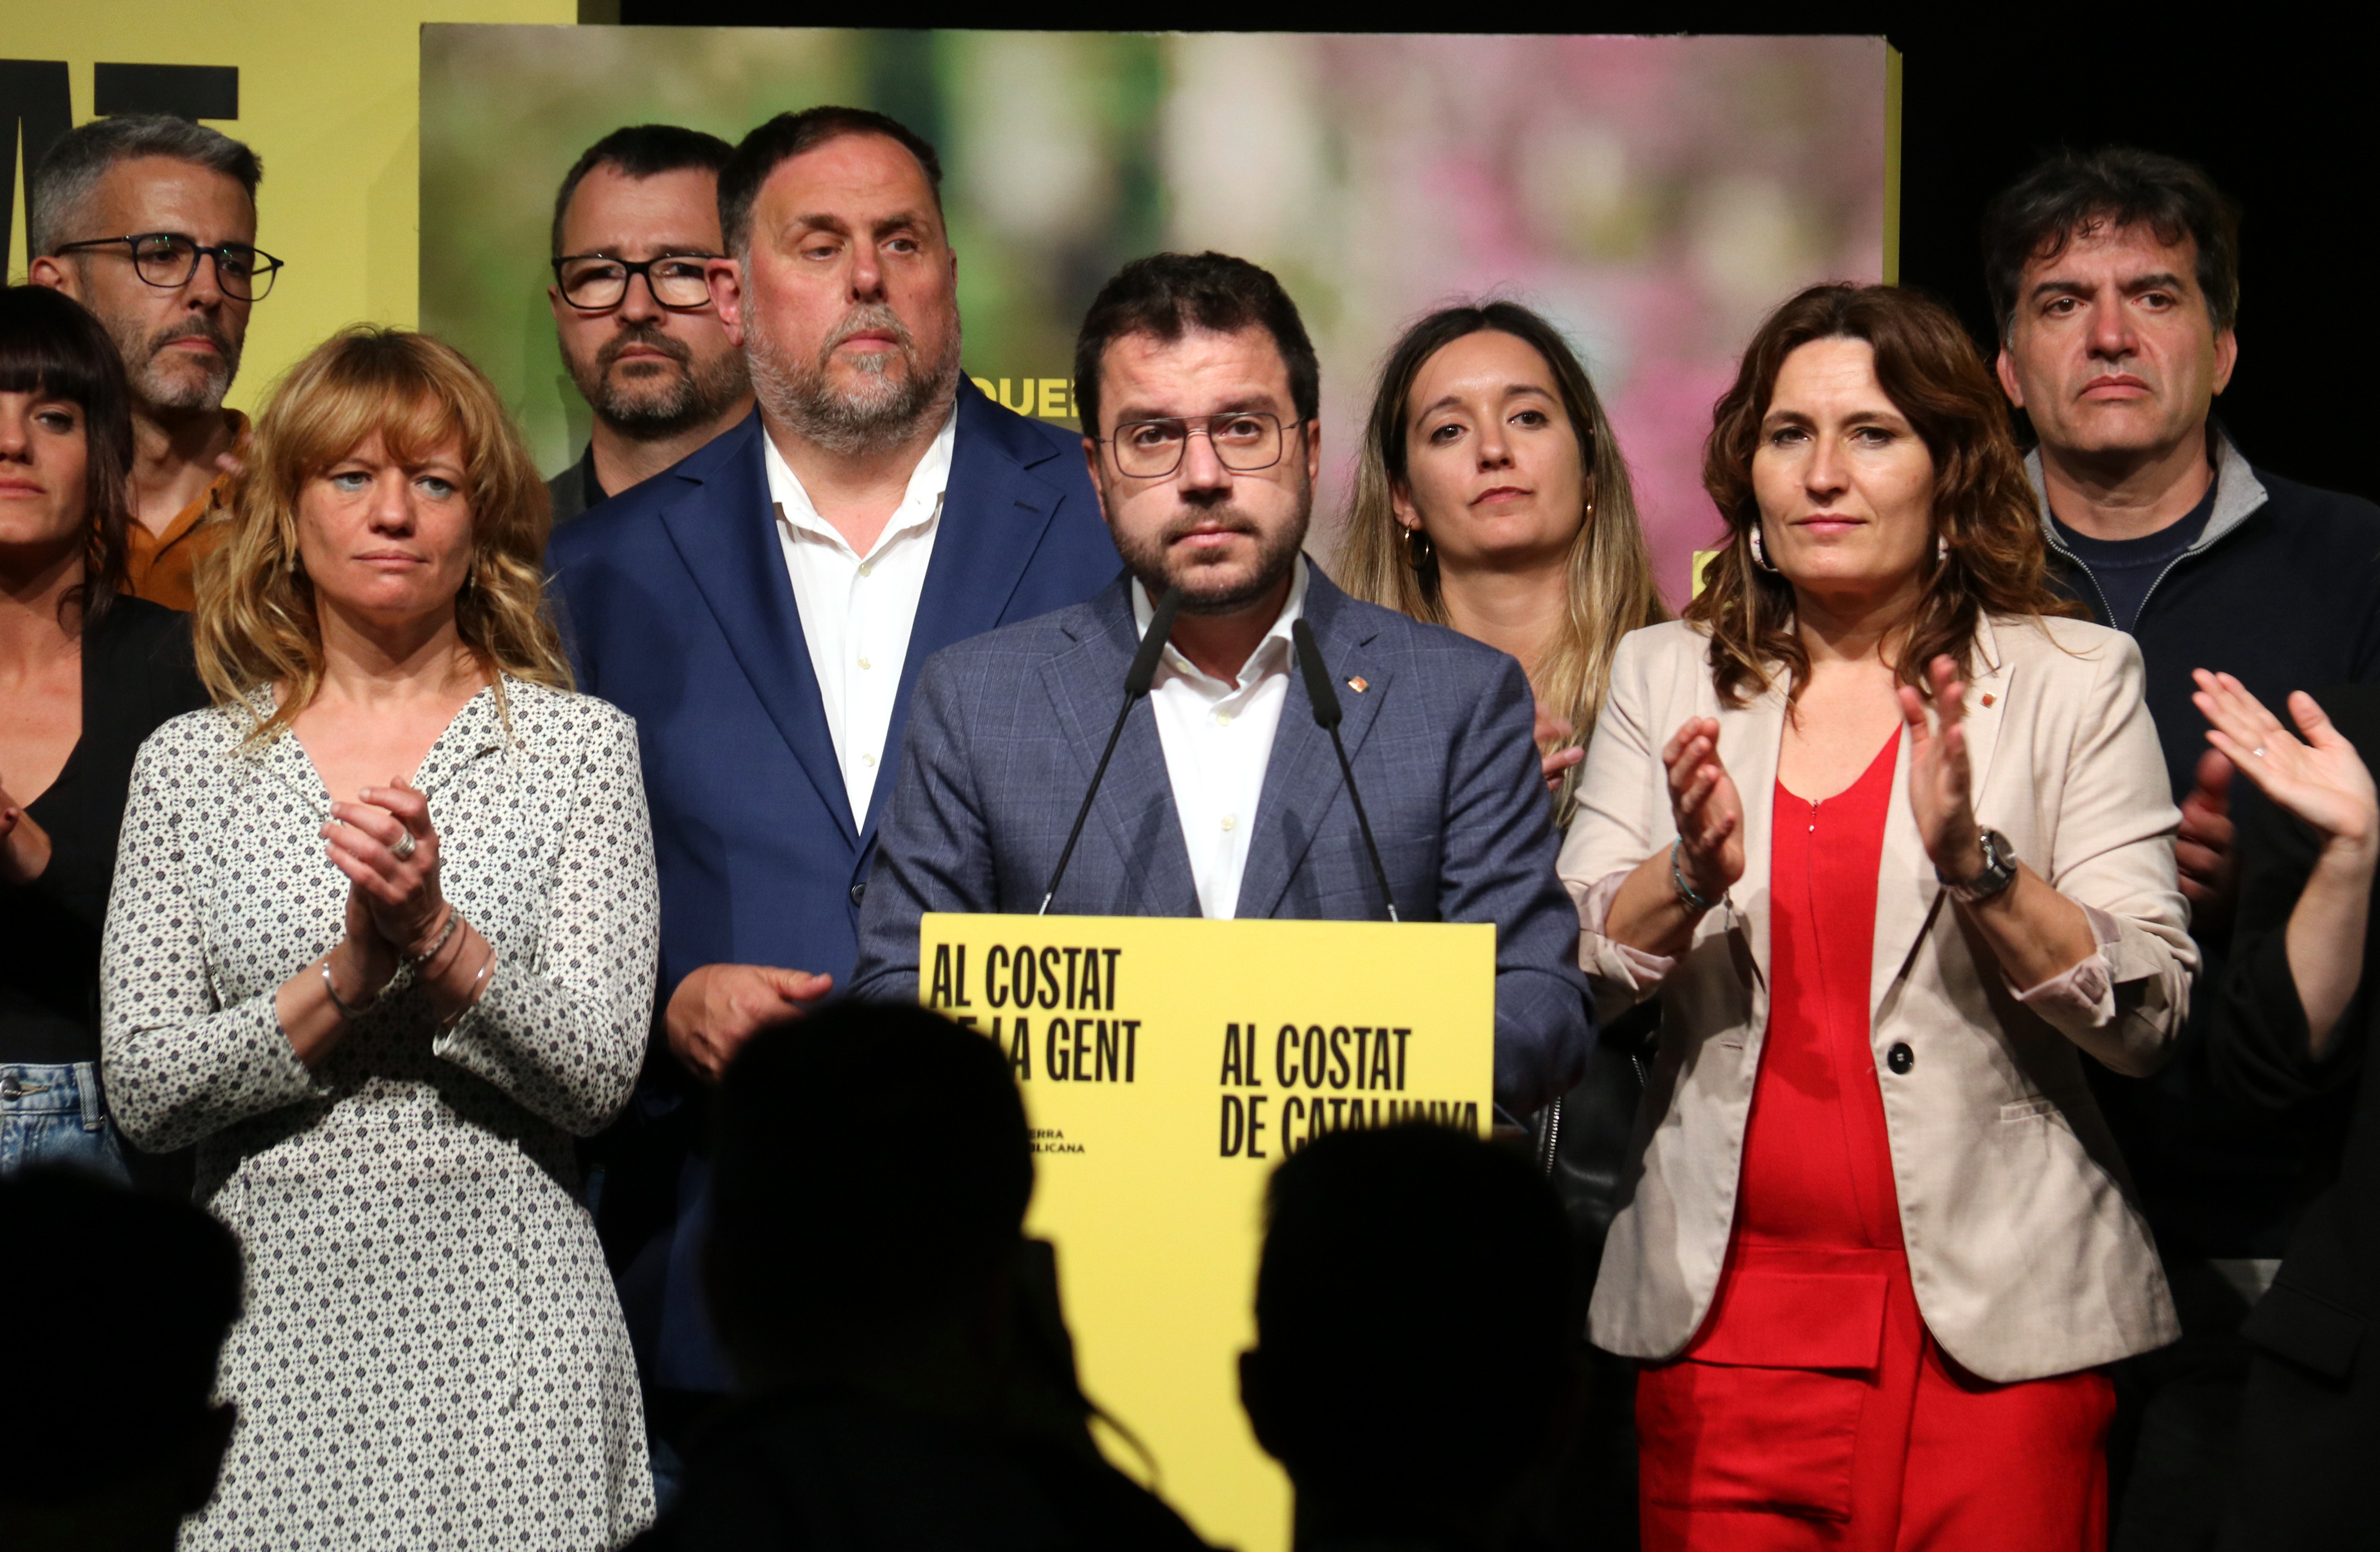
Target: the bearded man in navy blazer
pixel 761 609
pixel 1200 396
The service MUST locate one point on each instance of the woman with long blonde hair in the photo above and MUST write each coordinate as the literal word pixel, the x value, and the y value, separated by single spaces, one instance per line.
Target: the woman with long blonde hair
pixel 1491 498
pixel 382 941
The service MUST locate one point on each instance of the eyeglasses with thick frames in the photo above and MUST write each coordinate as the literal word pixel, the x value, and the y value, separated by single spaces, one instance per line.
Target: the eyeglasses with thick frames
pixel 597 282
pixel 170 261
pixel 1245 441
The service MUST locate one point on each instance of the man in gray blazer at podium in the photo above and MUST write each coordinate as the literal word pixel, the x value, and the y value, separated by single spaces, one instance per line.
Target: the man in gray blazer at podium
pixel 1200 396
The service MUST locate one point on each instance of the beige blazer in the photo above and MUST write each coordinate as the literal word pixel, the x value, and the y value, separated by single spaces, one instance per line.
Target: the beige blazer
pixel 2028 1251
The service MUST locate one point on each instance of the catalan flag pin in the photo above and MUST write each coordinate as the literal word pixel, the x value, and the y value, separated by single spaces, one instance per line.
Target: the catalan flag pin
pixel 1358 684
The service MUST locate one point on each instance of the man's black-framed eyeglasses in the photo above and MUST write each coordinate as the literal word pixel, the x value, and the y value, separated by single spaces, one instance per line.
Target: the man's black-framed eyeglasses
pixel 1244 441
pixel 170 261
pixel 597 282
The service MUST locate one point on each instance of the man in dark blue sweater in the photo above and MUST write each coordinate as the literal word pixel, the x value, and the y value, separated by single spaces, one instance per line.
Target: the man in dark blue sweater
pixel 2114 276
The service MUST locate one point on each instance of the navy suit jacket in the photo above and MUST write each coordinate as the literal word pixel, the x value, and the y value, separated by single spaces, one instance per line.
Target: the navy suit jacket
pixel 676 607
pixel 1008 726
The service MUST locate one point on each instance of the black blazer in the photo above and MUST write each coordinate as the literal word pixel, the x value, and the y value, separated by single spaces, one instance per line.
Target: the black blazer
pixel 2321 1308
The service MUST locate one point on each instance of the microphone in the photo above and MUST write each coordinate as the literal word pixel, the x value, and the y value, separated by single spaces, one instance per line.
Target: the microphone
pixel 1137 680
pixel 1327 716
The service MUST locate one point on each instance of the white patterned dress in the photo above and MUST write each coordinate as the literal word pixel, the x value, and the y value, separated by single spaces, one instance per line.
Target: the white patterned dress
pixel 432 1355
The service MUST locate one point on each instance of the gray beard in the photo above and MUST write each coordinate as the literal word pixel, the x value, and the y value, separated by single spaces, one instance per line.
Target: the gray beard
pixel 156 389
pixel 879 412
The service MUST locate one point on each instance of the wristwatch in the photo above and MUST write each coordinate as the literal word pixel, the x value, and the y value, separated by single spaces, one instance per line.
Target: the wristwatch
pixel 1999 871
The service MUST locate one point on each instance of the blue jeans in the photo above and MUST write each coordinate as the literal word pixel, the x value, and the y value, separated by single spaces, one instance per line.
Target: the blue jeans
pixel 52 1115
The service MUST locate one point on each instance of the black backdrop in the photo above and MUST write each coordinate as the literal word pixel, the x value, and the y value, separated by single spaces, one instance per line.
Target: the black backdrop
pixel 2284 117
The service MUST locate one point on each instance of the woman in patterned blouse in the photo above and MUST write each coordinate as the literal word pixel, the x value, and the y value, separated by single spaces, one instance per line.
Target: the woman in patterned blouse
pixel 383 1004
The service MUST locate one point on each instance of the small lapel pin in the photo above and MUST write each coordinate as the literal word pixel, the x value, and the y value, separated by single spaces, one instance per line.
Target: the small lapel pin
pixel 1987 697
pixel 1358 684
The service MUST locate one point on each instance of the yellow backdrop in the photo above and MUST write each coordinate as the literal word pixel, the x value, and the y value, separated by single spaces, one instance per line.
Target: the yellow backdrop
pixel 328 97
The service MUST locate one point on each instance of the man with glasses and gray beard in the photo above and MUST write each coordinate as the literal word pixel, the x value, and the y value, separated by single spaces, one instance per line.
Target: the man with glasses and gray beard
pixel 762 608
pixel 149 222
pixel 635 224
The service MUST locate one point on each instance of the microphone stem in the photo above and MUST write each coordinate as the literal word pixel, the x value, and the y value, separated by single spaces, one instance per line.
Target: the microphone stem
pixel 1114 734
pixel 1363 822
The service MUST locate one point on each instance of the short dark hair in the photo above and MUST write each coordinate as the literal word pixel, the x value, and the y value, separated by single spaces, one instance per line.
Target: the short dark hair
pixel 56 191
pixel 640 151
pixel 1446 1251
pixel 1166 294
pixel 789 134
pixel 2073 193
pixel 50 345
pixel 141 1290
pixel 911 1222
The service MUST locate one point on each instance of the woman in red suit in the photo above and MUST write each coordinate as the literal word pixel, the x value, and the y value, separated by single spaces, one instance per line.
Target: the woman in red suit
pixel 1890 837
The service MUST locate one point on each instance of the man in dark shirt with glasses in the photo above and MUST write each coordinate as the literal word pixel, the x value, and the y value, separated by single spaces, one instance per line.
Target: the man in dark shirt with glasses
pixel 636 220
pixel 149 222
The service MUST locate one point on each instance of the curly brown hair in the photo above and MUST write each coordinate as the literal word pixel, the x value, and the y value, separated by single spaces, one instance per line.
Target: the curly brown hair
pixel 255 625
pixel 1985 509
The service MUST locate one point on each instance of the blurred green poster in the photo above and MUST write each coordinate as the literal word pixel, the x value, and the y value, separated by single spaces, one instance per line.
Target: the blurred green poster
pixel 1652 196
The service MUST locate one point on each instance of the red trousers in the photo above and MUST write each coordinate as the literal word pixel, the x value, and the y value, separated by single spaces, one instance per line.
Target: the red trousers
pixel 1814 1409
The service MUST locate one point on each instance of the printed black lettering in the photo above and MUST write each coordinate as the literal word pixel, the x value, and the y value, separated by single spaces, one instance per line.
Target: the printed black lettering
pixel 1110 1051
pixel 940 996
pixel 1338 1110
pixel 1401 1035
pixel 1020 1050
pixel 1053 1050
pixel 1339 1074
pixel 1111 955
pixel 1311 1067
pixel 1082 1048
pixel 1280 1066
pixel 1092 996
pixel 1292 1110
pixel 1248 1060
pixel 1231 1072
pixel 1051 991
pixel 964 1020
pixel 1020 978
pixel 1130 1045
pixel 1072 955
pixel 1235 1125
pixel 1471 1116
pixel 1256 1124
pixel 995 959
pixel 958 981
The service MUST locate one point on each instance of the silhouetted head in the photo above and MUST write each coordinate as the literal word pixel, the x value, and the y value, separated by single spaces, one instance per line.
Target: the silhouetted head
pixel 873 1168
pixel 130 1298
pixel 1416 1338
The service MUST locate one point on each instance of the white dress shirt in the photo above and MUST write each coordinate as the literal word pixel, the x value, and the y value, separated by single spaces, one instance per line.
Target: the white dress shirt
pixel 857 609
pixel 1217 740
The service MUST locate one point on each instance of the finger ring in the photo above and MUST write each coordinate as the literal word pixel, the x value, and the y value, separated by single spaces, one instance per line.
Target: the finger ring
pixel 2258 751
pixel 405 848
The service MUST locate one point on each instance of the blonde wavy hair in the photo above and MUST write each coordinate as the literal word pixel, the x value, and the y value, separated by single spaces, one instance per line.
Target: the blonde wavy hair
pixel 256 625
pixel 1610 572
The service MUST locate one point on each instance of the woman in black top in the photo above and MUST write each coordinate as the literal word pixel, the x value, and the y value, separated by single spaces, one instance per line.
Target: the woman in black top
pixel 2290 1036
pixel 86 674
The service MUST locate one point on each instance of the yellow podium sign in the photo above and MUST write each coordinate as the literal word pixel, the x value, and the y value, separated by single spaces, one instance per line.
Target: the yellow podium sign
pixel 1168 1064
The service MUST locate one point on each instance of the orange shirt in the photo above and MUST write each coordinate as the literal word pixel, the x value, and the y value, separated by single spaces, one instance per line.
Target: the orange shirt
pixel 160 565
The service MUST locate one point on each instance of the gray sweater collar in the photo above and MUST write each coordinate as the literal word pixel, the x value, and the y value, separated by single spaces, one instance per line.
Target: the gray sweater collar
pixel 2238 492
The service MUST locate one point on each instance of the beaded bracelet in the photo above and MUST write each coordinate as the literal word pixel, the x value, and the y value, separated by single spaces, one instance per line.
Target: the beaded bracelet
pixel 1686 895
pixel 453 920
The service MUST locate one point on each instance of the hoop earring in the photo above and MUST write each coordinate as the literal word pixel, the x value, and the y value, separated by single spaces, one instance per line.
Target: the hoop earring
pixel 1941 549
pixel 1420 554
pixel 1759 556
